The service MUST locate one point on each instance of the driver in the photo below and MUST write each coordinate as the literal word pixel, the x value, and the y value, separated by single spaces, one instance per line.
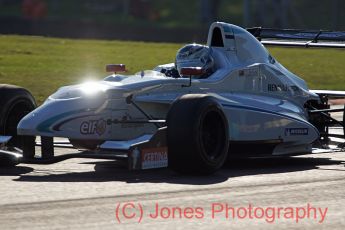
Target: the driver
pixel 195 55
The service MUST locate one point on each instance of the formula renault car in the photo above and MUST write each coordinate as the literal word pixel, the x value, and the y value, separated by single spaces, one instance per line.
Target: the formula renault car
pixel 230 98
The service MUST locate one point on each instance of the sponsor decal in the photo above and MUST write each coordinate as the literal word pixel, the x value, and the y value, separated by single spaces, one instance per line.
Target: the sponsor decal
pixel 154 158
pixel 277 87
pixel 281 87
pixel 296 131
pixel 93 127
pixel 249 72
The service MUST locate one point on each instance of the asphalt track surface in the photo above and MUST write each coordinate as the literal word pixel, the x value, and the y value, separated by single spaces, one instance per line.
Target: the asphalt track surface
pixel 86 193
pixel 304 192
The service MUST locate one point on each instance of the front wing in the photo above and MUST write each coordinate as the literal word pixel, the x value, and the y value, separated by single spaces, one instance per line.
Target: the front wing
pixel 145 152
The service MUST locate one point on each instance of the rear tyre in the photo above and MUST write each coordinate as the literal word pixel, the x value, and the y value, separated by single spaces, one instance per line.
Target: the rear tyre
pixel 16 102
pixel 198 135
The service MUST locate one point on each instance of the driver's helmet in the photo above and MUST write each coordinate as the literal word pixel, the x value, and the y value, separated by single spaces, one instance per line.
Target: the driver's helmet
pixel 195 55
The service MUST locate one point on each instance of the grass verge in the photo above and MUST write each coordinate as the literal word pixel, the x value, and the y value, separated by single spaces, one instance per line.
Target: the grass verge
pixel 44 64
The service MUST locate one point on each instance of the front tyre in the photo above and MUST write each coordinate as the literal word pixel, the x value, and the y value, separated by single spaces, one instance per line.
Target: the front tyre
pixel 16 102
pixel 198 135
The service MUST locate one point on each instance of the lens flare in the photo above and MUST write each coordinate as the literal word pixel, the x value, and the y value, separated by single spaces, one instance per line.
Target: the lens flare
pixel 92 88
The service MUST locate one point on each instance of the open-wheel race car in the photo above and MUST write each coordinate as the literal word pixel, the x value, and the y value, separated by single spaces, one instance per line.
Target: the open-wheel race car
pixel 229 98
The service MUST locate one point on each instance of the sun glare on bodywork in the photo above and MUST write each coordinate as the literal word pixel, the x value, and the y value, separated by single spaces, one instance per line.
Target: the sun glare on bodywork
pixel 91 88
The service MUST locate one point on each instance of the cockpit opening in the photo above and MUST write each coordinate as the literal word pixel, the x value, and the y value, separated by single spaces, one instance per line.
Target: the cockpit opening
pixel 217 38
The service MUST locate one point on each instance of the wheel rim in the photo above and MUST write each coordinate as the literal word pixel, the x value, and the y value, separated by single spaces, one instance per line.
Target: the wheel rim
pixel 212 135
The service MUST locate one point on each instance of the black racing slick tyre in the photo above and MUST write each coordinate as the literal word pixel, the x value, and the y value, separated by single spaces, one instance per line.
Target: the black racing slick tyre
pixel 15 103
pixel 198 135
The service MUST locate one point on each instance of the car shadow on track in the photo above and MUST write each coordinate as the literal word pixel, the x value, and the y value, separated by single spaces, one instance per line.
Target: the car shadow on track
pixel 15 171
pixel 105 171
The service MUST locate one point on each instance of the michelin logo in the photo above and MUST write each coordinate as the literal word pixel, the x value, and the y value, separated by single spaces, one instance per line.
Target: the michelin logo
pixel 296 131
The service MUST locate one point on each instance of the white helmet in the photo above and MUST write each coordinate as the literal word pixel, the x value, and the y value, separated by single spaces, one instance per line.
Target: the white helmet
pixel 195 55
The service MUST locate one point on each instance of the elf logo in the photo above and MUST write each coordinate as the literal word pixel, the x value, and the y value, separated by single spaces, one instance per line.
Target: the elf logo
pixel 93 127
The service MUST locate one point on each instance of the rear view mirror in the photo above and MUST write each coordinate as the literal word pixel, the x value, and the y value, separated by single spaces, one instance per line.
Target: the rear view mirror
pixel 115 68
pixel 192 71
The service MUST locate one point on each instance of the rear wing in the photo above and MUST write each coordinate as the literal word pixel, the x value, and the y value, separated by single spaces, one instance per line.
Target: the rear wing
pixel 328 118
pixel 299 38
pixel 330 94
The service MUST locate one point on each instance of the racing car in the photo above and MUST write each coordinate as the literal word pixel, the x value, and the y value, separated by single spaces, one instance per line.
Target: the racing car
pixel 228 98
